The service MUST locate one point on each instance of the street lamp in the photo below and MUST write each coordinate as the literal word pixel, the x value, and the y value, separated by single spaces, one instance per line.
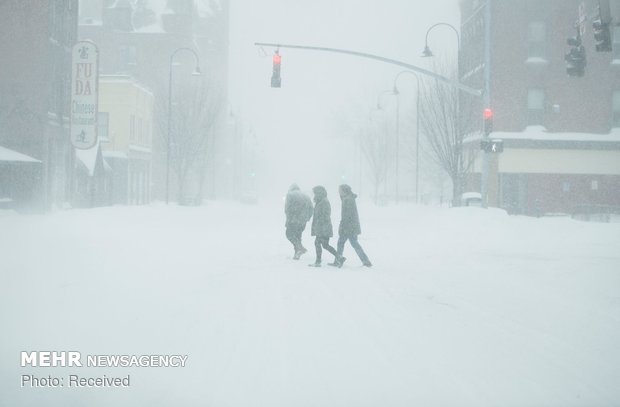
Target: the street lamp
pixel 427 51
pixel 417 131
pixel 383 93
pixel 195 73
pixel 388 92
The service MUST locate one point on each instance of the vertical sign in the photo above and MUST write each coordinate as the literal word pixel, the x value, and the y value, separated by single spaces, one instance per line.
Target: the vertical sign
pixel 84 94
pixel 583 18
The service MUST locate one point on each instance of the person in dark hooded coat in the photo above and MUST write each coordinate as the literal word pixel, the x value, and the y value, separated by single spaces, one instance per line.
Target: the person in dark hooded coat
pixel 322 224
pixel 349 227
pixel 298 210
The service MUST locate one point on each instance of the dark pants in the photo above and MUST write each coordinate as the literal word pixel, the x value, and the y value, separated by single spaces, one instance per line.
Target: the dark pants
pixel 293 234
pixel 356 245
pixel 321 243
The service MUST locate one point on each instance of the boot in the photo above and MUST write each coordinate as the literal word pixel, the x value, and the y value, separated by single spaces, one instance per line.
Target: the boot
pixel 315 264
pixel 341 261
pixel 338 261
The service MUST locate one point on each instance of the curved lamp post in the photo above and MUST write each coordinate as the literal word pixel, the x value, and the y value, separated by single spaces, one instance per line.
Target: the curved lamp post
pixel 417 131
pixel 427 51
pixel 195 73
pixel 380 96
pixel 360 153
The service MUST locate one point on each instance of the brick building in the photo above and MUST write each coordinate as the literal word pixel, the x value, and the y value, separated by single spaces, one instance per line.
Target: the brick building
pixel 137 40
pixel 561 134
pixel 35 43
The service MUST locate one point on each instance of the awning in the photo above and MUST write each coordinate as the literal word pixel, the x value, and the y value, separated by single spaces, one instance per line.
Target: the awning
pixel 90 157
pixel 8 155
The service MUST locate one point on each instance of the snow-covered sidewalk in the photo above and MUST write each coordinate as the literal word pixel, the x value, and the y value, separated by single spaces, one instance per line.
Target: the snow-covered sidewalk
pixel 464 307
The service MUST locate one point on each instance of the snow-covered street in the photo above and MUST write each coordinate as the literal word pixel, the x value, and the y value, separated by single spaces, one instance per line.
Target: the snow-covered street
pixel 464 307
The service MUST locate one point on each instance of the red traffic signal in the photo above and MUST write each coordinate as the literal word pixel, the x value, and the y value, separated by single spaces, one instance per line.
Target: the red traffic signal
pixel 488 121
pixel 276 81
pixel 487 114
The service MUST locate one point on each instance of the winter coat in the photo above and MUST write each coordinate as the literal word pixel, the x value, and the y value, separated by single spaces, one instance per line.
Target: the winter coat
pixel 297 207
pixel 321 220
pixel 349 219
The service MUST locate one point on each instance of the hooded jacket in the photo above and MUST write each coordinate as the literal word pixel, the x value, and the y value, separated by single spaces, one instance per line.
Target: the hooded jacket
pixel 349 219
pixel 321 221
pixel 297 207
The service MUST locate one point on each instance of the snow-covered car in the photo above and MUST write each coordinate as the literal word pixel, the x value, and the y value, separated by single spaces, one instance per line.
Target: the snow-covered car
pixel 471 199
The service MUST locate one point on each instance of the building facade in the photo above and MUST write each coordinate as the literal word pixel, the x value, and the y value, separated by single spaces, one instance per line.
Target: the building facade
pixel 36 38
pixel 560 133
pixel 138 40
pixel 126 134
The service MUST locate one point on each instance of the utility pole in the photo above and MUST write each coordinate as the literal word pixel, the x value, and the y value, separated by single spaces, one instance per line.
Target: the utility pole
pixel 486 102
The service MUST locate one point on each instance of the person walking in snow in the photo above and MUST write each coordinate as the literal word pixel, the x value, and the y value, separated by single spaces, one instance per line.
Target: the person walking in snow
pixel 322 225
pixel 349 228
pixel 298 210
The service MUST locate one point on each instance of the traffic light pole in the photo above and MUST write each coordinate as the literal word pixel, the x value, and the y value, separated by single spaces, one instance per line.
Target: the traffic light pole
pixel 486 102
pixel 457 84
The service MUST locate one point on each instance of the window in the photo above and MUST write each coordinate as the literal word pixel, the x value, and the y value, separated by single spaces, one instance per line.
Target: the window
pixel 132 128
pixel 594 185
pixel 103 119
pixel 615 117
pixel 536 37
pixel 535 106
pixel 126 58
pixel 566 186
pixel 615 39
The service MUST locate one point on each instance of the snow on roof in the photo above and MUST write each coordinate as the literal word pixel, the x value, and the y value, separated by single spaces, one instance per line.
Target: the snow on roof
pixel 540 133
pixel 13 156
pixel 536 61
pixel 125 79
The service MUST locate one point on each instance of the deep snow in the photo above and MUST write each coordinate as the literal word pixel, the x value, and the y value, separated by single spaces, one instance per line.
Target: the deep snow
pixel 464 307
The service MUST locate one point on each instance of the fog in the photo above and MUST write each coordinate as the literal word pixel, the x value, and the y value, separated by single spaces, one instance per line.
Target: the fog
pixel 301 128
pixel 464 252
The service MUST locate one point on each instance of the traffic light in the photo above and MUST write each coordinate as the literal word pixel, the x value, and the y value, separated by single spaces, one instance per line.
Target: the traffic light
pixel 602 36
pixel 601 27
pixel 576 57
pixel 487 114
pixel 276 81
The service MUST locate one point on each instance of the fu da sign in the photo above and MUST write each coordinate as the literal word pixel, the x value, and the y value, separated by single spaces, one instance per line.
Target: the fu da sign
pixel 84 94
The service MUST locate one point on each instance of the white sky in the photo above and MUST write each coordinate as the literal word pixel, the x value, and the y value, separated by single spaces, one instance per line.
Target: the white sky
pixel 295 125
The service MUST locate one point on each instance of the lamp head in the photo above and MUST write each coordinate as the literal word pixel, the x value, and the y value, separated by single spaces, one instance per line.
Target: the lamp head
pixel 427 52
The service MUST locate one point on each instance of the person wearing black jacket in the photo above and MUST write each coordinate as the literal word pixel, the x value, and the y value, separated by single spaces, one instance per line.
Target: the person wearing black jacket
pixel 349 227
pixel 322 225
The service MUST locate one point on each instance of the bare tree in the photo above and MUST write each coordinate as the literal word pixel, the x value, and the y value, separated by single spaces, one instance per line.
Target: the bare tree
pixel 374 139
pixel 446 121
pixel 375 144
pixel 196 112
